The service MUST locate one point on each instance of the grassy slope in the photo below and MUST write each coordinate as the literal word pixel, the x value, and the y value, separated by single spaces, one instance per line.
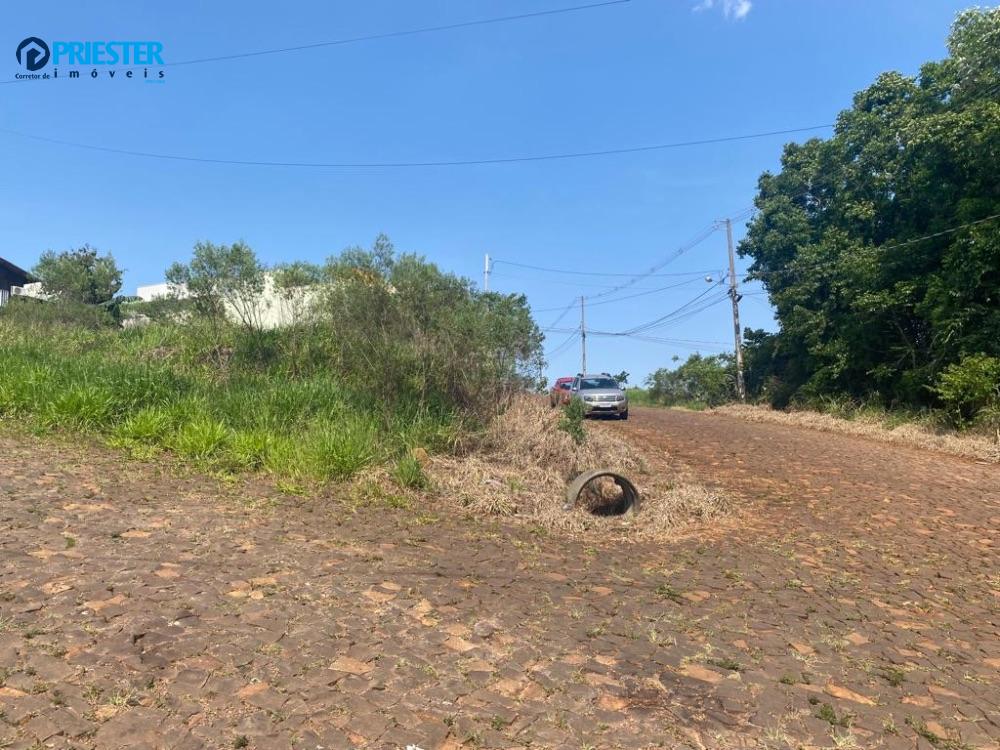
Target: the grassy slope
pixel 156 388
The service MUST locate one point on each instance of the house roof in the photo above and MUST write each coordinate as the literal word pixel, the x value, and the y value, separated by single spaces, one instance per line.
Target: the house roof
pixel 16 270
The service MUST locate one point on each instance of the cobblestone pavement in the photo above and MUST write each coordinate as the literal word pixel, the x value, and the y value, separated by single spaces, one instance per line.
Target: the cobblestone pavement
pixel 856 605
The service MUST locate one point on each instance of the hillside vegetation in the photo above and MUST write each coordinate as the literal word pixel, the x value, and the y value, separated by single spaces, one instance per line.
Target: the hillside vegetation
pixel 880 246
pixel 392 358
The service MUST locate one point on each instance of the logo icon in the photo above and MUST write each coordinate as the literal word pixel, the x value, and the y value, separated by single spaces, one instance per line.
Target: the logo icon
pixel 33 53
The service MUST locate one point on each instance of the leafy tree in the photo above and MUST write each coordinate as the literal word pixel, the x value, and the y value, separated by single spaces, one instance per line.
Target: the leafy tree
pixel 622 378
pixel 877 245
pixel 702 380
pixel 403 330
pixel 223 278
pixel 80 275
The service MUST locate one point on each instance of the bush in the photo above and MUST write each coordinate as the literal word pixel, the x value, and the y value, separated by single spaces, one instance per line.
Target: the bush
pixel 403 332
pixel 79 276
pixel 970 387
pixel 699 381
pixel 571 421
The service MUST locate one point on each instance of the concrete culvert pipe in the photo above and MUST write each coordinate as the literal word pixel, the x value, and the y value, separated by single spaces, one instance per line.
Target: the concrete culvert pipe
pixel 591 487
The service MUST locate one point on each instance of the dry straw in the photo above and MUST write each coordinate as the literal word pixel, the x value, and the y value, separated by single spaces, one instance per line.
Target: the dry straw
pixel 520 468
pixel 972 446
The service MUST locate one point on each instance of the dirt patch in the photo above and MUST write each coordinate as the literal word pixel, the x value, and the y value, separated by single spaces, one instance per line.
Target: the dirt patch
pixel 913 435
pixel 521 466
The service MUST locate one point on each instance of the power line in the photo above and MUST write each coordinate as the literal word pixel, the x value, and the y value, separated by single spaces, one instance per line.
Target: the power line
pixel 593 273
pixel 641 294
pixel 564 345
pixel 407 32
pixel 642 327
pixel 563 313
pixel 695 346
pixel 688 314
pixel 690 244
pixel 382 35
pixel 560 282
pixel 404 164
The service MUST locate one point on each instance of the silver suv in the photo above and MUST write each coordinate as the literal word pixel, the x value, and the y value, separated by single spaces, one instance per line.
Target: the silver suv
pixel 600 394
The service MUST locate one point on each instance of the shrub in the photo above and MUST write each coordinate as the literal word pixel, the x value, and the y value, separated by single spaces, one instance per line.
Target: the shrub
pixel 405 333
pixel 81 276
pixel 571 421
pixel 222 278
pixel 970 386
pixel 702 380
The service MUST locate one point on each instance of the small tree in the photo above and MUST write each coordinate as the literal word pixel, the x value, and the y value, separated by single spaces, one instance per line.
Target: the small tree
pixel 970 387
pixel 79 275
pixel 221 278
pixel 297 285
pixel 699 380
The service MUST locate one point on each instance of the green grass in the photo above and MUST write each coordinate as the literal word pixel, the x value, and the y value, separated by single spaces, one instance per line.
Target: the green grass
pixel 201 439
pixel 410 473
pixel 341 449
pixel 162 388
pixel 827 713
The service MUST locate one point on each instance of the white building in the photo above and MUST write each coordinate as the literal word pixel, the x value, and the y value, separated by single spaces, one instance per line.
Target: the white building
pixel 270 309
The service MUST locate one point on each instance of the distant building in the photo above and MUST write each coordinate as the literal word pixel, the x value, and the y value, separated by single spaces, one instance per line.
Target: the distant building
pixel 269 310
pixel 11 276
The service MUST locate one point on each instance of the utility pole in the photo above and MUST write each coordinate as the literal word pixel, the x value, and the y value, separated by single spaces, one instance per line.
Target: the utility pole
pixel 741 390
pixel 583 340
pixel 486 273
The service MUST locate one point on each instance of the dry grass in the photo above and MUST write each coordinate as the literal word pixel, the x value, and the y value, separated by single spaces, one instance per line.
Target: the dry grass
pixel 521 466
pixel 972 446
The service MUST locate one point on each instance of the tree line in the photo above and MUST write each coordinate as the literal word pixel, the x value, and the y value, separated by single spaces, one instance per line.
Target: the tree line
pixel 879 247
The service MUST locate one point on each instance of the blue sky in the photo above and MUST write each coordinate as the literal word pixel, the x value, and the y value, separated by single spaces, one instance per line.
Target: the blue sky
pixel 638 73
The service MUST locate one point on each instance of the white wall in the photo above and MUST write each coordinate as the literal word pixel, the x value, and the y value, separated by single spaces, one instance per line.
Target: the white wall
pixel 270 310
pixel 34 289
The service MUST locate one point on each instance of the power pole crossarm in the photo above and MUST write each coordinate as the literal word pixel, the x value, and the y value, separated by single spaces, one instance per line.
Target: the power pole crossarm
pixel 741 390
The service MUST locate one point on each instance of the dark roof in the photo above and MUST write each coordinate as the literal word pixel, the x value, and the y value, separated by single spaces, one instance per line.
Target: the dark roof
pixel 17 271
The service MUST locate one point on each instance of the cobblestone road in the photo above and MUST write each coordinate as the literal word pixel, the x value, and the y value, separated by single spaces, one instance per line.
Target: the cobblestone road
pixel 856 606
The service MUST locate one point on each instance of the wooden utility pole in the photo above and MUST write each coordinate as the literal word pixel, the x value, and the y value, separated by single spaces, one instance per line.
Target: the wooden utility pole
pixel 583 340
pixel 486 273
pixel 741 390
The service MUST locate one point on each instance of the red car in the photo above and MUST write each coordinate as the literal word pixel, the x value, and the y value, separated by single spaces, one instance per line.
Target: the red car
pixel 559 395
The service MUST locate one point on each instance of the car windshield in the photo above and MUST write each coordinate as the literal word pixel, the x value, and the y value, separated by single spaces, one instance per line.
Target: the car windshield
pixel 565 386
pixel 588 383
